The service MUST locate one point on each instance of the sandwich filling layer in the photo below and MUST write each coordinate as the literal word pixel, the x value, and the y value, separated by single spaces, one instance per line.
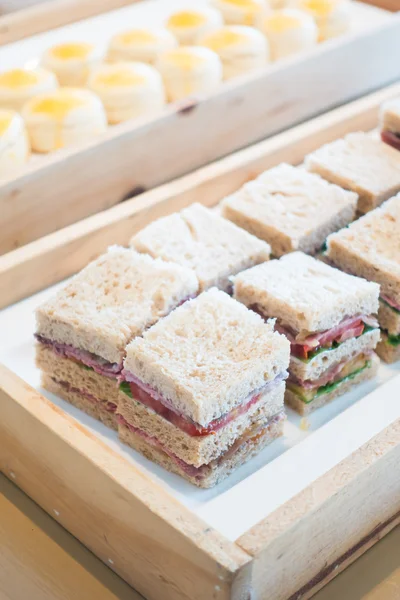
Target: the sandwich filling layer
pixel 307 347
pixel 148 396
pixel 93 361
pixel 198 473
pixel 103 404
pixel 391 138
pixel 309 390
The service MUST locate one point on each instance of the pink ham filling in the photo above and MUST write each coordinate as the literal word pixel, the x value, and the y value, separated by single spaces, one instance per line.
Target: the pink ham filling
pixel 97 363
pixel 164 407
pixel 391 302
pixel 108 406
pixel 190 470
pixel 391 138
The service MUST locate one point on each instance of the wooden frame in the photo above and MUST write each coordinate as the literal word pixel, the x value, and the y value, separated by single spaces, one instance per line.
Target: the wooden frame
pixel 393 5
pixel 41 16
pixel 132 524
pixel 44 262
pixel 239 113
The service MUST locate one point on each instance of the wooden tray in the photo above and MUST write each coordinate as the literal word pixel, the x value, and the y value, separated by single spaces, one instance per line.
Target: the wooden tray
pixel 283 525
pixel 139 155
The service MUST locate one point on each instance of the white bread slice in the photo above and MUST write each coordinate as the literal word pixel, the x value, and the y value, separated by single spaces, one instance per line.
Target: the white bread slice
pixel 370 248
pixel 360 163
pixel 208 356
pixel 200 239
pixel 95 410
pixel 105 389
pixel 199 450
pixel 304 293
pixel 304 408
pixel 216 473
pixel 387 351
pixel 315 368
pixel 389 319
pixel 389 116
pixel 291 209
pixel 112 300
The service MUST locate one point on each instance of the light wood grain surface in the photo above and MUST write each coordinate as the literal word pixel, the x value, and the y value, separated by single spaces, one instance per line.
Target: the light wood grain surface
pixel 39 560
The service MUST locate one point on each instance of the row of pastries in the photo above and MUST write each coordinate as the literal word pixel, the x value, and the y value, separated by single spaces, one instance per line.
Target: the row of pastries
pixel 78 89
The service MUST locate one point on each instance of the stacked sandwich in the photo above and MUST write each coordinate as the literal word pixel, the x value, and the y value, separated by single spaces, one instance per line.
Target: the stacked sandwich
pixel 370 248
pixel 203 389
pixel 83 330
pixel 328 317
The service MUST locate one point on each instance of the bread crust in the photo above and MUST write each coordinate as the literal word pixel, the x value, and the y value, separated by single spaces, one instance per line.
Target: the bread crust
pixel 113 299
pixel 291 209
pixel 208 356
pixel 292 400
pixel 217 474
pixel 389 116
pixel 370 248
pixel 387 352
pixel 95 410
pixel 199 450
pixel 202 240
pixel 304 293
pixel 360 163
pixel 389 319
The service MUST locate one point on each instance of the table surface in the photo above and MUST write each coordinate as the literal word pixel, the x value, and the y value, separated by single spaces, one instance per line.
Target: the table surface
pixel 39 560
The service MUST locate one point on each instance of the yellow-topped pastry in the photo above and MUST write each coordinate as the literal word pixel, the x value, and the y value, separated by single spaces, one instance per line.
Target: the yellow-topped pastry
pixel 71 62
pixel 14 145
pixel 189 70
pixel 65 117
pixel 241 49
pixel 143 45
pixel 18 85
pixel 288 31
pixel 128 90
pixel 240 12
pixel 333 17
pixel 188 26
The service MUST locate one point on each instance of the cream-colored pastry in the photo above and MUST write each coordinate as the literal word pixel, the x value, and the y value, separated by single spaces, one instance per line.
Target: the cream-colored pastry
pixel 241 49
pixel 128 90
pixel 333 17
pixel 189 70
pixel 289 31
pixel 71 62
pixel 143 45
pixel 14 145
pixel 240 12
pixel 18 85
pixel 65 117
pixel 189 26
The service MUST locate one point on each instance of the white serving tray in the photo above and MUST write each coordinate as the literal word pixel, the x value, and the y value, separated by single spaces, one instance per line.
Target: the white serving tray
pixel 309 448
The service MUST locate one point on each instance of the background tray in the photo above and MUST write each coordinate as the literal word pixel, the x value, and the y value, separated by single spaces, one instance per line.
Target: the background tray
pixel 141 154
pixel 282 525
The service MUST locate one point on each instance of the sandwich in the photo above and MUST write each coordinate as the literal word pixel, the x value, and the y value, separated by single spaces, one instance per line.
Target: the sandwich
pixel 390 123
pixel 291 209
pixel 82 332
pixel 362 164
pixel 203 389
pixel 328 318
pixel 202 240
pixel 370 248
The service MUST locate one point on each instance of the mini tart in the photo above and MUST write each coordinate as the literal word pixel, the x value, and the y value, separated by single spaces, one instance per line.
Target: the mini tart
pixel 241 49
pixel 128 90
pixel 14 145
pixel 144 45
pixel 65 117
pixel 289 31
pixel 189 26
pixel 240 12
pixel 333 17
pixel 71 62
pixel 19 85
pixel 189 70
